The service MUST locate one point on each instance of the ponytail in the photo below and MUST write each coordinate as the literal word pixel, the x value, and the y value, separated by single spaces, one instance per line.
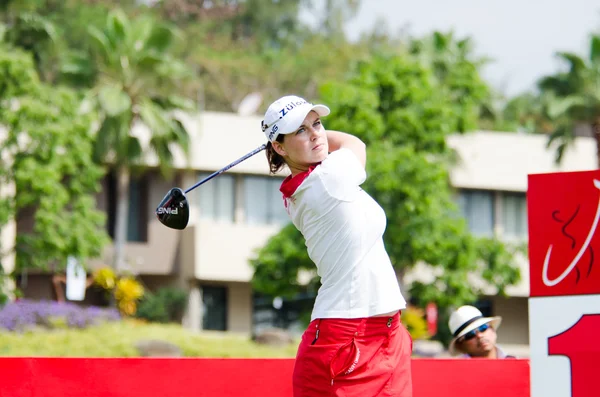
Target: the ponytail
pixel 276 161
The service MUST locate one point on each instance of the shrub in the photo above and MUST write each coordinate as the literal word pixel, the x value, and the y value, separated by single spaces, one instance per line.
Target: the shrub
pixel 25 314
pixel 166 305
pixel 414 320
pixel 128 292
pixel 124 289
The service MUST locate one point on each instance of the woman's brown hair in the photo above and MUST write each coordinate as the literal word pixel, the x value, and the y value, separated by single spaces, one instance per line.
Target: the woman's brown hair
pixel 276 161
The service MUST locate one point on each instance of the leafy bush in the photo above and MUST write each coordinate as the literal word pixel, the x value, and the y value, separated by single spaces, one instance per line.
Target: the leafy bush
pixel 125 289
pixel 26 314
pixel 166 305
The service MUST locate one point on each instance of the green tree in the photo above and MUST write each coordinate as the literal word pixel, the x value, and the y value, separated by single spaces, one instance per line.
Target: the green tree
pixel 47 153
pixel 228 72
pixel 260 46
pixel 135 79
pixel 456 69
pixel 268 21
pixel 401 110
pixel 573 97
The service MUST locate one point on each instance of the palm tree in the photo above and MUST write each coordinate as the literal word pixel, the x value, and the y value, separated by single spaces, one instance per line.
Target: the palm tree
pixel 573 97
pixel 135 80
pixel 524 113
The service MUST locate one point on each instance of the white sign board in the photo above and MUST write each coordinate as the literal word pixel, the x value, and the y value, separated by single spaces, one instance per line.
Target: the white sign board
pixel 76 279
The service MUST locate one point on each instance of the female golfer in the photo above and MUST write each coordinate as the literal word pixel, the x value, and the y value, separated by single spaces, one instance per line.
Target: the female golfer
pixel 355 344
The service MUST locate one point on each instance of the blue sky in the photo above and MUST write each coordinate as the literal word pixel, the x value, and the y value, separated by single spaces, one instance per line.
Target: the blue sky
pixel 520 36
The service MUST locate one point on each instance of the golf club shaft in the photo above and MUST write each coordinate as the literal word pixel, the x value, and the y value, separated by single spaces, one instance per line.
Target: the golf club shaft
pixel 236 162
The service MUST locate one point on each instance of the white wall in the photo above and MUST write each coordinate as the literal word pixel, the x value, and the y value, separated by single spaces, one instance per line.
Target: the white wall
pixel 502 160
pixel 223 250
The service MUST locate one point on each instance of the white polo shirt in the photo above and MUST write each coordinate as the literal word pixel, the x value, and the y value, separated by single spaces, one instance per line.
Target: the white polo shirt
pixel 343 228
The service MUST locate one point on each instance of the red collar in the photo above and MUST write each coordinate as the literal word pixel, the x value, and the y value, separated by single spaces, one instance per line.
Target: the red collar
pixel 290 184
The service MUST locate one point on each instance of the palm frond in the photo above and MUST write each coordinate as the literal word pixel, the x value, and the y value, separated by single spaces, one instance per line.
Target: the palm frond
pixel 562 137
pixel 180 135
pixel 134 148
pixel 105 140
pixel 113 100
pixel 102 45
pixel 558 84
pixel 575 62
pixel 160 38
pixel 117 27
pixel 560 107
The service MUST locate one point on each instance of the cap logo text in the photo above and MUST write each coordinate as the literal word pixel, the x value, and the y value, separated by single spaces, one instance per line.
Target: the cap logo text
pixel 273 131
pixel 289 107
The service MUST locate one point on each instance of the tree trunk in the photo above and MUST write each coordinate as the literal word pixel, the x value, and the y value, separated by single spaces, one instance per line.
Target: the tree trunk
pixel 123 179
pixel 596 132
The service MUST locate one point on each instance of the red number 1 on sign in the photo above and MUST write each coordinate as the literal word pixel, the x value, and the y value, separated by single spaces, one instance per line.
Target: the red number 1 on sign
pixel 581 345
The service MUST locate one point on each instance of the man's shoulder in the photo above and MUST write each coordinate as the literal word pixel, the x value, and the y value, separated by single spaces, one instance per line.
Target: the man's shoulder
pixel 502 354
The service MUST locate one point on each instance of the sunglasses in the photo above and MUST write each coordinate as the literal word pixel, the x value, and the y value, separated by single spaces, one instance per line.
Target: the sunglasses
pixel 471 334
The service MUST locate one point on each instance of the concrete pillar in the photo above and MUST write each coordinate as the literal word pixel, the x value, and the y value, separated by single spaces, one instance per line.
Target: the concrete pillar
pixel 192 318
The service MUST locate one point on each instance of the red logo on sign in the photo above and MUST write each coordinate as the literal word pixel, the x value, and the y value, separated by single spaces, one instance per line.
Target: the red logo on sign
pixel 564 246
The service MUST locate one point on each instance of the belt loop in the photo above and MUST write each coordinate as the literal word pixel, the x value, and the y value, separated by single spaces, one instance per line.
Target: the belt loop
pixel 316 332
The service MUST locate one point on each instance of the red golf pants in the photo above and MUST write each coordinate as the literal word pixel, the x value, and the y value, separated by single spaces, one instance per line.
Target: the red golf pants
pixel 364 357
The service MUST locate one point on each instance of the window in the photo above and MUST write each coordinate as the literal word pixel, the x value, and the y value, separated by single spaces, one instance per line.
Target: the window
pixel 137 215
pixel 514 215
pixel 477 206
pixel 135 225
pixel 291 314
pixel 217 198
pixel 214 308
pixel 262 201
pixel 485 306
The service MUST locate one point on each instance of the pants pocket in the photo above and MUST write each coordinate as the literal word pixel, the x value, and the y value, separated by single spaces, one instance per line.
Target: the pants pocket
pixel 355 359
pixel 345 360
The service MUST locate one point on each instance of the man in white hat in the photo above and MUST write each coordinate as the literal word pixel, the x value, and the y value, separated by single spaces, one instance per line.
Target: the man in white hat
pixel 473 334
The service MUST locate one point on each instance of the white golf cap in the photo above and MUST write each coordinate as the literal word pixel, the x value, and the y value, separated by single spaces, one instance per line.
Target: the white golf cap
pixel 286 114
pixel 465 319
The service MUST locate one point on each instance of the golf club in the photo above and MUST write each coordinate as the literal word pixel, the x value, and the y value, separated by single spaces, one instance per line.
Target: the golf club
pixel 174 210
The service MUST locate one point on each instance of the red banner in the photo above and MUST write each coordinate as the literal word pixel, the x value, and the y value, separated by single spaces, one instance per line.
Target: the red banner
pixel 564 243
pixel 190 377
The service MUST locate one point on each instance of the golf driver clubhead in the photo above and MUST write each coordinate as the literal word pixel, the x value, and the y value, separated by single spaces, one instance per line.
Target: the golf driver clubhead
pixel 174 210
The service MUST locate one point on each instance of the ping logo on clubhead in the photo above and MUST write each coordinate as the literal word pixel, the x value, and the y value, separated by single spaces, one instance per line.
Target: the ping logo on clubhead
pixel 168 211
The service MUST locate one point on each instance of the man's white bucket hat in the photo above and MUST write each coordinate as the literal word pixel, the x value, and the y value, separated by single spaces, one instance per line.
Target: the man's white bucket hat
pixel 465 319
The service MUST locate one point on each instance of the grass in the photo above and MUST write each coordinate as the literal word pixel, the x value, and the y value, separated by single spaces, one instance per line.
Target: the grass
pixel 118 339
